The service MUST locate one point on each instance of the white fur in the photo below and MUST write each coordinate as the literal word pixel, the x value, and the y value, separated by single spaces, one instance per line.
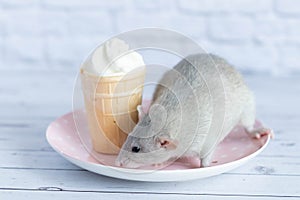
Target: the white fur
pixel 195 95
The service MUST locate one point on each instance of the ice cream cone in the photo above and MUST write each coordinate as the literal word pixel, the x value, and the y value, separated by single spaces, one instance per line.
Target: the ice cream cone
pixel 111 107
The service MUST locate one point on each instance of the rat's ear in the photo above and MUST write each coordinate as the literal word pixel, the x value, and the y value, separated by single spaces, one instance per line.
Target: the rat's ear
pixel 166 142
pixel 141 112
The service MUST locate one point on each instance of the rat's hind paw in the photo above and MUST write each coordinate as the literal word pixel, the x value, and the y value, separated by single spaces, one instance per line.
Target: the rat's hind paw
pixel 260 132
pixel 205 162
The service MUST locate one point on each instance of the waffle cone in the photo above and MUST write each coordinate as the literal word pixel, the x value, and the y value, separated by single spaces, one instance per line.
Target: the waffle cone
pixel 110 103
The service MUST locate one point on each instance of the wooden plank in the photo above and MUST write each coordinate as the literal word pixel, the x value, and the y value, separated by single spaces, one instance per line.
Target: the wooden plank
pixel 226 184
pixel 47 160
pixel 283 148
pixel 74 195
pixel 276 148
pixel 24 135
pixel 288 166
pixel 11 112
pixel 29 135
pixel 34 160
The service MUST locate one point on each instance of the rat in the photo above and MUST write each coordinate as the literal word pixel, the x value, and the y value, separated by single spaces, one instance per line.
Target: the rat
pixel 191 113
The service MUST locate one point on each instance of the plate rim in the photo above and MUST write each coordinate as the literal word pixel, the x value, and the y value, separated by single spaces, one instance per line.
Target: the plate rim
pixel 144 173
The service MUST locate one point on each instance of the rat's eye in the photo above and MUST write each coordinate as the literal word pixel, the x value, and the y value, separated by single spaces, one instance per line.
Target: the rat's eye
pixel 135 149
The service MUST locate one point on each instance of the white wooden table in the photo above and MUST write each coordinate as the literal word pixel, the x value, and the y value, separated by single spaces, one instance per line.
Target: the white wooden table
pixel 30 169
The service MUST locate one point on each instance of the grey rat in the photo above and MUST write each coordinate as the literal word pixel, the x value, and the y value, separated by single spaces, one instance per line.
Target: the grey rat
pixel 185 103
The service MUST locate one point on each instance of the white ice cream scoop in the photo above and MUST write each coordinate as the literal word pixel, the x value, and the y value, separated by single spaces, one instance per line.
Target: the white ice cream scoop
pixel 113 58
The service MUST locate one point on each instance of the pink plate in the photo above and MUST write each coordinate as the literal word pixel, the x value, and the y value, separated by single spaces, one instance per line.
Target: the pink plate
pixel 235 150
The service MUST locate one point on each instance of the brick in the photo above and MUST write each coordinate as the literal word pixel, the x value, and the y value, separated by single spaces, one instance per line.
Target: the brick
pixel 129 20
pixel 54 23
pixel 23 50
pixel 194 27
pixel 22 22
pixel 159 38
pixel 196 6
pixel 69 52
pixel 246 57
pixel 215 6
pixel 89 23
pixel 18 4
pixel 87 4
pixel 2 23
pixel 289 7
pixel 269 27
pixel 277 29
pixel 230 28
pixel 293 28
pixel 185 24
pixel 246 6
pixel 289 57
pixel 1 53
pixel 155 5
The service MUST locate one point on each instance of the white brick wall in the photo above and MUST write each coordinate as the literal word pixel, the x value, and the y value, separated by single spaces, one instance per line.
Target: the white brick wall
pixel 226 6
pixel 258 36
pixel 288 7
pixel 233 29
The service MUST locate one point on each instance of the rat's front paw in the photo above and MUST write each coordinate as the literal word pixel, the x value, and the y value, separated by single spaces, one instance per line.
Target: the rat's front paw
pixel 205 162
